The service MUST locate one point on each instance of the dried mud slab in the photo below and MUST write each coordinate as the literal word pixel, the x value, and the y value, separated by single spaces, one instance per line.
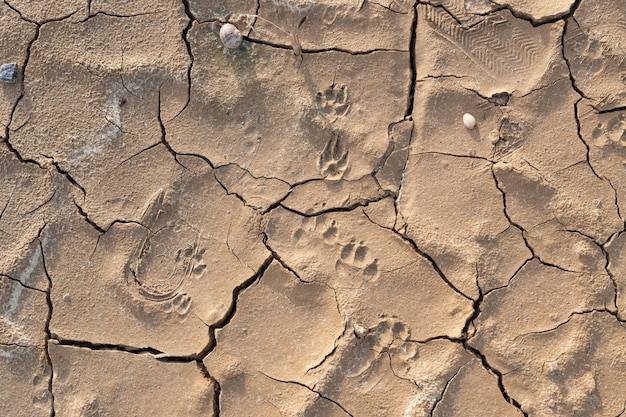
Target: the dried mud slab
pixel 390 168
pixel 315 197
pixel 161 282
pixel 336 25
pixel 373 271
pixel 538 11
pixel 24 365
pixel 538 298
pixel 257 394
pixel 26 190
pixel 594 47
pixel 491 54
pixel 223 10
pixel 249 375
pixel 469 384
pixel 616 253
pixel 135 384
pixel 298 343
pixel 17 35
pixel 41 11
pixel 259 107
pixel 575 197
pixel 23 314
pixel 24 388
pixel 605 136
pixel 91 109
pixel 258 193
pixel 452 209
pixel 553 244
pixel 572 369
pixel 439 105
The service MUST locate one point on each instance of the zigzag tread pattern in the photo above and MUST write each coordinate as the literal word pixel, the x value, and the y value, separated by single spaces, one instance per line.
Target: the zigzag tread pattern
pixel 492 43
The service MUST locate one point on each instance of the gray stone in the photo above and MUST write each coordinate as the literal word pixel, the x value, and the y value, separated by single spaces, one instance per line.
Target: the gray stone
pixel 8 72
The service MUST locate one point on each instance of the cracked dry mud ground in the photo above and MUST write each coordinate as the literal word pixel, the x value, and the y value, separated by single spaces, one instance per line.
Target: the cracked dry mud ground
pixel 309 229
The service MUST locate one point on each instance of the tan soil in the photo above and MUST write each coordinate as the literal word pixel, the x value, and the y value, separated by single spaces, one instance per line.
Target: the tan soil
pixel 303 225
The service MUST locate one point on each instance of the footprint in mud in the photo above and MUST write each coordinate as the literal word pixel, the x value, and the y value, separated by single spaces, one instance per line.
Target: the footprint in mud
pixel 614 131
pixel 333 159
pixel 333 101
pixel 180 304
pixel 318 226
pixel 190 260
pixel 164 261
pixel 356 257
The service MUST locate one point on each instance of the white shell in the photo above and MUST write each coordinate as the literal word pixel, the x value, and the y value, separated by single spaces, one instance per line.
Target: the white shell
pixel 230 36
pixel 469 121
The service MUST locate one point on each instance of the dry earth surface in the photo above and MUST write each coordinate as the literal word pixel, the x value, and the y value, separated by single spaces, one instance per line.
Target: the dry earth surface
pixel 303 225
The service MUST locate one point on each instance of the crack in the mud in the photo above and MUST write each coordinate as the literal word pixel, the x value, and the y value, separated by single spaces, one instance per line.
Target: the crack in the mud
pixel 185 38
pixel 413 64
pixel 580 136
pixel 334 349
pixel 320 50
pixel 65 173
pixel 443 391
pixel 48 320
pixel 85 216
pixel 612 278
pixel 432 263
pixel 104 346
pixel 544 20
pixel 569 318
pixel 228 316
pixel 164 133
pixel 310 389
pixel 567 63
pixel 497 373
pixel 21 283
pixel 349 208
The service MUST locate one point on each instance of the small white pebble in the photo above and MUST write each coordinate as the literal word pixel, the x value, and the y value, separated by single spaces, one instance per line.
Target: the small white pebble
pixel 469 121
pixel 230 36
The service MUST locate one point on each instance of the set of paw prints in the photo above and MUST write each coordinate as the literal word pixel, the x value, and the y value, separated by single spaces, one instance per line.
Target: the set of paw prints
pixel 355 256
pixel 613 131
pixel 167 291
pixel 332 104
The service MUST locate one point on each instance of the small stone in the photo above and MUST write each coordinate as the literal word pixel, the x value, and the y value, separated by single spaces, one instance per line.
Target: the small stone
pixel 8 72
pixel 469 121
pixel 230 36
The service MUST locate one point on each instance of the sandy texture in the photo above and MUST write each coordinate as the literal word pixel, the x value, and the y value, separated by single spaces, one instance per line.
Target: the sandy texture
pixel 307 225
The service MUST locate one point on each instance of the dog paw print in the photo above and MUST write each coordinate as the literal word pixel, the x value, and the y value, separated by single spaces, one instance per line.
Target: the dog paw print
pixel 180 304
pixel 190 261
pixel 317 227
pixel 333 159
pixel 613 131
pixel 356 256
pixel 333 101
pixel 329 232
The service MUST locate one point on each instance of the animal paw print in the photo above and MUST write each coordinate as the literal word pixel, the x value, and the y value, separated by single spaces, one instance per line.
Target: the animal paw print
pixel 190 261
pixel 318 227
pixel 614 131
pixel 333 102
pixel 334 159
pixel 356 256
pixel 180 304
pixel 329 234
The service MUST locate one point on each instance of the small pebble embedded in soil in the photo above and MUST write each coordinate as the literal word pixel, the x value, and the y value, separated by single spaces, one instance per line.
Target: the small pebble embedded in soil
pixel 469 121
pixel 8 72
pixel 230 36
